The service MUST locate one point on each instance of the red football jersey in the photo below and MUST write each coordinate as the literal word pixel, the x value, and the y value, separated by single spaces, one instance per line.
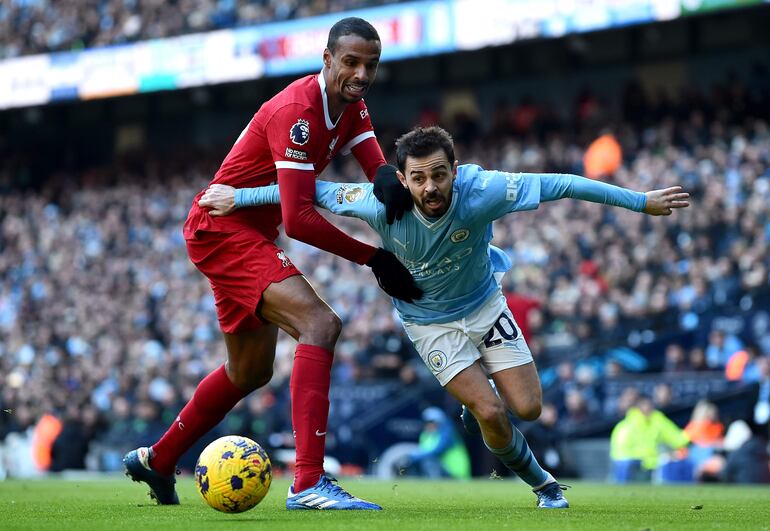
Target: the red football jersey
pixel 293 130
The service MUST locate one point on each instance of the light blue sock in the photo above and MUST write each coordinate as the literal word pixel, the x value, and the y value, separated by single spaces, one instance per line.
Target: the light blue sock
pixel 519 458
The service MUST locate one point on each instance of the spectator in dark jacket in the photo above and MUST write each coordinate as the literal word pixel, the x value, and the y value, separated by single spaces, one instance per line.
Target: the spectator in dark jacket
pixel 750 463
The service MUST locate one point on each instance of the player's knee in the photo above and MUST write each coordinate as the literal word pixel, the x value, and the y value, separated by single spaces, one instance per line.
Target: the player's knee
pixel 322 328
pixel 530 411
pixel 335 326
pixel 250 380
pixel 262 378
pixel 489 413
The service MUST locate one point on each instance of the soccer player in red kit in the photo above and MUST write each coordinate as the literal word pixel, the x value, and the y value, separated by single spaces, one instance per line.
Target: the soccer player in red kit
pixel 257 289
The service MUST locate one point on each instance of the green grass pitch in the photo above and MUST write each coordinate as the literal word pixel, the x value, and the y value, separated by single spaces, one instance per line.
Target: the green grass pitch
pixel 117 504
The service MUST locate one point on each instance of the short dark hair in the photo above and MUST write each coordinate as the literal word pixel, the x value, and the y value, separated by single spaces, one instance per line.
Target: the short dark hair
pixel 351 26
pixel 422 141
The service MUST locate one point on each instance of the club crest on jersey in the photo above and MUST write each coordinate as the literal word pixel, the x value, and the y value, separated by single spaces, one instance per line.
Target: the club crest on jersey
pixel 285 262
pixel 437 360
pixel 300 132
pixel 460 235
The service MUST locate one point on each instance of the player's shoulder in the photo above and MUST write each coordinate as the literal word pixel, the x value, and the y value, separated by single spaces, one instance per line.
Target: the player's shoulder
pixel 467 172
pixel 298 100
pixel 474 177
pixel 469 176
pixel 476 187
pixel 304 91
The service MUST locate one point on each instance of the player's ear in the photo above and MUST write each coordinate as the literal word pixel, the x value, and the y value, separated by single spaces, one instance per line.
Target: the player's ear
pixel 401 178
pixel 454 168
pixel 327 58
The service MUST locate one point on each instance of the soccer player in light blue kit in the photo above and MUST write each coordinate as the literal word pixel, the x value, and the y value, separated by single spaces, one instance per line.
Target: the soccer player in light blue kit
pixel 462 327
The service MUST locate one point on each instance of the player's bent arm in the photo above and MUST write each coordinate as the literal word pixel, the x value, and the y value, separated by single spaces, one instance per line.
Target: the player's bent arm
pixel 368 153
pixel 302 222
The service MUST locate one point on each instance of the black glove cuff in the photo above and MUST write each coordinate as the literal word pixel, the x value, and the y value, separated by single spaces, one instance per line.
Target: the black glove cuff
pixel 376 257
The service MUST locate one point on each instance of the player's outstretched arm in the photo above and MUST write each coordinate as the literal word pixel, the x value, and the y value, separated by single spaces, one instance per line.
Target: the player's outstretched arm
pixel 655 202
pixel 497 193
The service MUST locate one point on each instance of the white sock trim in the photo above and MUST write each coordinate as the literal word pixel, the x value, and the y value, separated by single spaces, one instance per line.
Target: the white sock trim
pixel 549 479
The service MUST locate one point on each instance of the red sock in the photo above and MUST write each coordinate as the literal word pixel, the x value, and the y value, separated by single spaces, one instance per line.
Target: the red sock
pixel 309 387
pixel 213 399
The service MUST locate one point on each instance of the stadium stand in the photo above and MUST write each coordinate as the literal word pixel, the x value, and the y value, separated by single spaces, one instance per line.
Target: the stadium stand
pixel 41 26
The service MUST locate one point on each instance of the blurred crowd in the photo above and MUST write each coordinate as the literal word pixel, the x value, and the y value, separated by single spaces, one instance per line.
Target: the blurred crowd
pixel 703 451
pixel 106 327
pixel 42 26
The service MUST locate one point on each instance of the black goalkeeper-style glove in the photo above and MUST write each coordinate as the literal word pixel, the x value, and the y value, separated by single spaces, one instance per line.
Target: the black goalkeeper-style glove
pixel 393 277
pixel 391 193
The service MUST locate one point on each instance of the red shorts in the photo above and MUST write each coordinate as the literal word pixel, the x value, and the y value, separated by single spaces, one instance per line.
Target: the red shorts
pixel 240 266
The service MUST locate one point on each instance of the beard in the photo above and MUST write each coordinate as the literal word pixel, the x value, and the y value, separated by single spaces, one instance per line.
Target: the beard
pixel 435 204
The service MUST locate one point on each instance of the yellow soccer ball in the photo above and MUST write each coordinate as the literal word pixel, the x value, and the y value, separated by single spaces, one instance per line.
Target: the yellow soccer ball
pixel 233 474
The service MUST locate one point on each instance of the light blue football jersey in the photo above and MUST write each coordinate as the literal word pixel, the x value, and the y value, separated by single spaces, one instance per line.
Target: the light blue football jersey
pixel 451 257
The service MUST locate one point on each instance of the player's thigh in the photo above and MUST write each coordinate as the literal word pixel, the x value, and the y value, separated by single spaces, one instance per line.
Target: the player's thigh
pixel 240 266
pixel 444 348
pixel 519 387
pixel 250 356
pixel 506 357
pixel 471 387
pixel 294 305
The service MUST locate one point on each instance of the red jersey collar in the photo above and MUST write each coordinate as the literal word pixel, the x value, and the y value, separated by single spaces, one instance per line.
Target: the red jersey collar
pixel 327 118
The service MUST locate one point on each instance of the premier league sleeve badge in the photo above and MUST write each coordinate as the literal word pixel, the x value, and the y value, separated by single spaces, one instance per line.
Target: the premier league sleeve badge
pixel 300 132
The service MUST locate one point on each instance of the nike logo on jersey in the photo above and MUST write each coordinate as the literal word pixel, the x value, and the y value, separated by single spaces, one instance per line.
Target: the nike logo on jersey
pixel 320 433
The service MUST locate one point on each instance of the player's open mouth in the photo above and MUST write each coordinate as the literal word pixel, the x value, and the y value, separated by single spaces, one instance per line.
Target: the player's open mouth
pixel 356 90
pixel 434 202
